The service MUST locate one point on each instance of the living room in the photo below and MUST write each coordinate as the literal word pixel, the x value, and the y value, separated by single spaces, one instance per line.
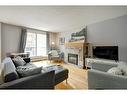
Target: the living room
pixel 63 47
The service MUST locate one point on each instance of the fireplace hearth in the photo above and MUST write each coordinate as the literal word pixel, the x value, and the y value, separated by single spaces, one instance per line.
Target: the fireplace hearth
pixel 73 58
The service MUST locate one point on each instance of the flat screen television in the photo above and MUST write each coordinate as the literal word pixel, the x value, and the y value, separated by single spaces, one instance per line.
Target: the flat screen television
pixel 106 52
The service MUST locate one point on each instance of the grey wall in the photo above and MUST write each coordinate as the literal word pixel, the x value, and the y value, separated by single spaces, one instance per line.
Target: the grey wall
pixel 10 38
pixel 110 32
pixel 0 42
pixel 0 48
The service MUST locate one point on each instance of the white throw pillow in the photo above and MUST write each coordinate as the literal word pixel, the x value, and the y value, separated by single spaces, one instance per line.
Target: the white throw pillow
pixel 123 66
pixel 115 71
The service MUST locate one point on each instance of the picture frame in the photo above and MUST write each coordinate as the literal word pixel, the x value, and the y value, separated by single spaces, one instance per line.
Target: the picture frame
pixel 62 40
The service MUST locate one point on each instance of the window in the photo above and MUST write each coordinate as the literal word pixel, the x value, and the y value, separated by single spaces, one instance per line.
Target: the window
pixel 36 44
pixel 41 44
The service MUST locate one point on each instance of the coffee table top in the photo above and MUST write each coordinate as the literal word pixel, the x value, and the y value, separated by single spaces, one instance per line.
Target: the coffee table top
pixel 52 67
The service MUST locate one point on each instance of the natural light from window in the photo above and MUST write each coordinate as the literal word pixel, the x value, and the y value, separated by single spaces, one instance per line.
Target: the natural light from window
pixel 36 44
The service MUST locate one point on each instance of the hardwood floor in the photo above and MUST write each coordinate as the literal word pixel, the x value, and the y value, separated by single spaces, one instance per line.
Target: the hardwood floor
pixel 77 77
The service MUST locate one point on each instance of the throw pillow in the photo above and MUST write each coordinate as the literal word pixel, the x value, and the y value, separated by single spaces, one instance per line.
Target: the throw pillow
pixel 24 71
pixel 123 65
pixel 19 61
pixel 115 71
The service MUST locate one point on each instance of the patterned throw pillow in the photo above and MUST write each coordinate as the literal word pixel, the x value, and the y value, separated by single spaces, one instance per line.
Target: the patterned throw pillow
pixel 19 61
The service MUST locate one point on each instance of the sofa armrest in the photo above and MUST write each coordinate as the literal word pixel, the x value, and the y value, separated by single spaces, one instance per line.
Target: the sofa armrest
pixel 103 80
pixel 39 81
pixel 103 66
pixel 27 60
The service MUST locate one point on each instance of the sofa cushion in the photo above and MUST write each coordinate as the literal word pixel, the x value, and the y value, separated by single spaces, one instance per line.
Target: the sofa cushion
pixel 19 61
pixel 115 71
pixel 123 65
pixel 28 70
pixel 9 70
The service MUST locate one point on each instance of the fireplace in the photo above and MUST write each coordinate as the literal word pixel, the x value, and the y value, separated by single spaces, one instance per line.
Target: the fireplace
pixel 73 58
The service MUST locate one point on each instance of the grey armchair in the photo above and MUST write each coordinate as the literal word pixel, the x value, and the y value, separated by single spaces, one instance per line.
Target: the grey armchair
pixel 100 79
pixel 55 55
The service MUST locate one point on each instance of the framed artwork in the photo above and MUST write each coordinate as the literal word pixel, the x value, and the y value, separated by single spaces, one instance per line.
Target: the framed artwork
pixel 62 40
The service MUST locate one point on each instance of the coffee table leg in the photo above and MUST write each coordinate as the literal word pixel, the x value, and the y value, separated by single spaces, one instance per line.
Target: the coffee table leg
pixel 66 81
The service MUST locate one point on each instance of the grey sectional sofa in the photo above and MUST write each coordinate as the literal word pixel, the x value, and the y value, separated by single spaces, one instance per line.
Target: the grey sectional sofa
pixel 45 80
pixel 38 81
pixel 98 78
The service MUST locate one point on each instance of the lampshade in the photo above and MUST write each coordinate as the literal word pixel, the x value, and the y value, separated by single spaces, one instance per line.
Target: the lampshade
pixel 53 43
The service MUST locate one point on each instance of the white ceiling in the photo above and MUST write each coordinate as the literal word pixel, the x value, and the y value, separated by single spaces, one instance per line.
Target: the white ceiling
pixel 58 18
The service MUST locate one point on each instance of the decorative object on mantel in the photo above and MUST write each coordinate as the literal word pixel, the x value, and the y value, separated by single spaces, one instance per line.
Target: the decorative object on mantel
pixel 78 35
pixel 62 40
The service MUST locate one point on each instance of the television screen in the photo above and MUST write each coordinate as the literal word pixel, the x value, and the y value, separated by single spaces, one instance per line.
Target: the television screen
pixel 106 52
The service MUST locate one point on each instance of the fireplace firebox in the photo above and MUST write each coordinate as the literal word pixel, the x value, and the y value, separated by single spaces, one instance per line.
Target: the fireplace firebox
pixel 73 58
